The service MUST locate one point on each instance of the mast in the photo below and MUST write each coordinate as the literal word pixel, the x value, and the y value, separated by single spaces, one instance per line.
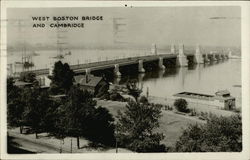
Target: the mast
pixel 61 42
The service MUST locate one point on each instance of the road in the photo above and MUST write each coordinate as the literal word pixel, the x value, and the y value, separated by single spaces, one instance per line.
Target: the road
pixel 32 146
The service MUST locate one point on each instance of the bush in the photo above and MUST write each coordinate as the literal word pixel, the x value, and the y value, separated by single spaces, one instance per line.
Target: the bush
pixel 219 134
pixel 29 77
pixel 143 100
pixel 181 105
pixel 116 97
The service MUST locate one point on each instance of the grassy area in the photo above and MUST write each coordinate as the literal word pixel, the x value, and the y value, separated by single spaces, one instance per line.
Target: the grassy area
pixel 171 124
pixel 199 107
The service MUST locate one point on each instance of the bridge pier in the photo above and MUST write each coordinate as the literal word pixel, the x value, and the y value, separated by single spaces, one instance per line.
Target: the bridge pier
pixel 198 58
pixel 214 57
pixel 181 58
pixel 161 65
pixel 140 67
pixel 226 56
pixel 219 57
pixel 172 49
pixel 222 56
pixel 116 71
pixel 230 54
pixel 87 71
pixel 206 58
pixel 154 49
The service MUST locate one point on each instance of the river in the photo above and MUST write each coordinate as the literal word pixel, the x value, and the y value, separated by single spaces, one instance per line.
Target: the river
pixel 205 79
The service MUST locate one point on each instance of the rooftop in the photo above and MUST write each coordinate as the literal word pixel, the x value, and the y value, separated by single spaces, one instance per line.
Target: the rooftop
pixel 90 81
pixel 222 93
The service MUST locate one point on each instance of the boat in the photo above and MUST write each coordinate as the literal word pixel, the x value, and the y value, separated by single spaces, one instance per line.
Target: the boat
pixel 28 64
pixel 69 53
pixel 34 54
pixel 59 56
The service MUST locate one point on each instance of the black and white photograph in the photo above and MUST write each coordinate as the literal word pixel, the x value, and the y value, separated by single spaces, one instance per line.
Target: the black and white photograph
pixel 125 79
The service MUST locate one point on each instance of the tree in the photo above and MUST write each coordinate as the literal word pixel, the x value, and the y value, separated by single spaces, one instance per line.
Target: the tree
pixel 15 106
pixel 62 78
pixel 28 77
pixel 133 89
pixel 36 106
pixel 143 99
pixel 83 119
pixel 220 134
pixel 135 128
pixel 181 105
pixel 101 127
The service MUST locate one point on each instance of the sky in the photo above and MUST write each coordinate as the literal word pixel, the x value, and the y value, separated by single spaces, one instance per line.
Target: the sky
pixel 210 25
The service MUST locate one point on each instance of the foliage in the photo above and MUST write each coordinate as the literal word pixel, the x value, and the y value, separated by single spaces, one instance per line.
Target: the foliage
pixel 101 90
pixel 181 105
pixel 143 100
pixel 101 127
pixel 220 134
pixel 135 128
pixel 133 89
pixel 76 115
pixel 36 105
pixel 28 106
pixel 81 118
pixel 62 78
pixel 114 96
pixel 28 77
pixel 15 106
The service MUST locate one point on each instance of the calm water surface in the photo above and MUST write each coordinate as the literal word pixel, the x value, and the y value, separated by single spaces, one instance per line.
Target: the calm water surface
pixel 205 79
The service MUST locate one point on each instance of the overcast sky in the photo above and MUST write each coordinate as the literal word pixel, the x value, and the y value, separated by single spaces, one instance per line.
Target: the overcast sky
pixel 216 26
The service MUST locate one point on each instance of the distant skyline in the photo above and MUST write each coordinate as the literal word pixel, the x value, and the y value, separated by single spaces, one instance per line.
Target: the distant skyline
pixel 208 26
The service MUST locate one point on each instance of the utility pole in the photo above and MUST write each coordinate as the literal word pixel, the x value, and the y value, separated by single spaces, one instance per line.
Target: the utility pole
pixel 71 145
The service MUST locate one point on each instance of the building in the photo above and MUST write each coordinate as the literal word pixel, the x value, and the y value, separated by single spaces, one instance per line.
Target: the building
pixel 224 98
pixel 44 82
pixel 221 100
pixel 91 83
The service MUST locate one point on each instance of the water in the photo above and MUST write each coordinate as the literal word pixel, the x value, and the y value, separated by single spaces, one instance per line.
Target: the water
pixel 77 56
pixel 205 79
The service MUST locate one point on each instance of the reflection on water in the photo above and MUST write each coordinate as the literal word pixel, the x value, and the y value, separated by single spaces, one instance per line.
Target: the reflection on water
pixel 205 79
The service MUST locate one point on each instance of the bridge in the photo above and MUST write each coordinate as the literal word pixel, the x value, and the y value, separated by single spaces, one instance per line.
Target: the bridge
pixel 178 56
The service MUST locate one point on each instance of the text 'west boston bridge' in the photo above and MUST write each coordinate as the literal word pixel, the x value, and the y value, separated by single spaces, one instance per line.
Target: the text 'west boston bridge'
pixel 67 18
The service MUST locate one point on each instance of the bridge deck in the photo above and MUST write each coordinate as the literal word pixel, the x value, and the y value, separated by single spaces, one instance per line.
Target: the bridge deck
pixel 80 68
